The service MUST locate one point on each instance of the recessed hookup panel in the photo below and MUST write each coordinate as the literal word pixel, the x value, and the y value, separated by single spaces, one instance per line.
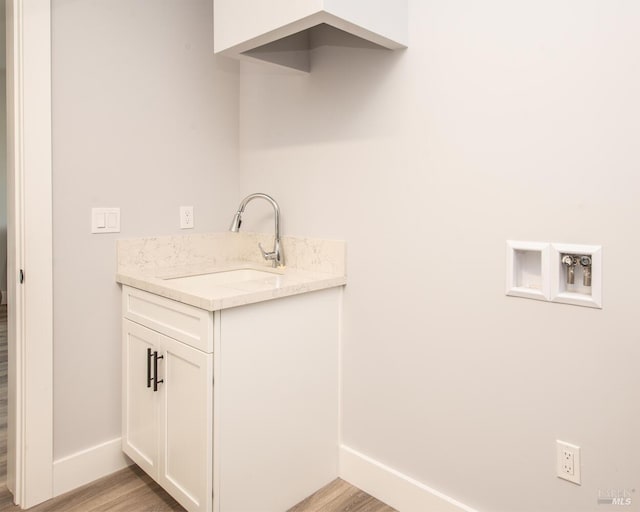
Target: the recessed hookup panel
pixel 576 274
pixel 527 270
pixel 555 272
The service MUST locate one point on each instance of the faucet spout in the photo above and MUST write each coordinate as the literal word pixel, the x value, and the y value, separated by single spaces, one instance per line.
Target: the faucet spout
pixel 276 255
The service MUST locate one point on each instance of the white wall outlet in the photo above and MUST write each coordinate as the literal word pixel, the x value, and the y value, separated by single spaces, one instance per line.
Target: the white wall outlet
pixel 568 462
pixel 186 217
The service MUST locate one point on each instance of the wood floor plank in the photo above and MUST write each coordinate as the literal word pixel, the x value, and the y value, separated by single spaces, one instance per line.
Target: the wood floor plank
pixel 131 490
pixel 340 496
pixel 148 498
pixel 6 501
pixel 97 494
pixel 3 394
pixel 128 490
pixel 331 492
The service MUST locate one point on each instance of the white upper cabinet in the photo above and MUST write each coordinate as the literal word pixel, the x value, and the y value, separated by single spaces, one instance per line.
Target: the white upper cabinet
pixel 278 30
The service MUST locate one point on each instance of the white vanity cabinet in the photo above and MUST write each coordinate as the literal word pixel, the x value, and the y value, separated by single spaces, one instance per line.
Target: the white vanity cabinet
pixel 167 410
pixel 245 415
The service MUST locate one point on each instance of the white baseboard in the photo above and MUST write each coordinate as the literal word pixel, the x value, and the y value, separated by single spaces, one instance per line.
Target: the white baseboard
pixel 88 465
pixel 392 487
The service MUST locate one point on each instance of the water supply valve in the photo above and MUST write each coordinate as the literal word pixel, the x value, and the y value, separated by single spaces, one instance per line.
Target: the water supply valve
pixel 570 261
pixel 585 261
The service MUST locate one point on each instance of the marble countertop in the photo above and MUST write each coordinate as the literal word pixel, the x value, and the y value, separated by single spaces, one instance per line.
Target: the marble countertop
pixel 153 264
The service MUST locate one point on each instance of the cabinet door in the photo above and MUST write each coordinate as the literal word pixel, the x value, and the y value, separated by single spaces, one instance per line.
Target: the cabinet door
pixel 186 427
pixel 139 402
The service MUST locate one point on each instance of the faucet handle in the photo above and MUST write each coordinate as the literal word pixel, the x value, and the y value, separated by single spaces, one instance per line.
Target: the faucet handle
pixel 267 255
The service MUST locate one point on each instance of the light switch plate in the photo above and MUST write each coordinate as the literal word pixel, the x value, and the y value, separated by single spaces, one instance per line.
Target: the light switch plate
pixel 105 220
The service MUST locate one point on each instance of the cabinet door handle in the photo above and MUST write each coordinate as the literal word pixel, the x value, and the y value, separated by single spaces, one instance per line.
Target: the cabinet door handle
pixel 149 379
pixel 155 371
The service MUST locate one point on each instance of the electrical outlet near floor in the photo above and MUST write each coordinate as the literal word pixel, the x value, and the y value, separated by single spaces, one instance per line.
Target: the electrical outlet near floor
pixel 568 462
pixel 186 217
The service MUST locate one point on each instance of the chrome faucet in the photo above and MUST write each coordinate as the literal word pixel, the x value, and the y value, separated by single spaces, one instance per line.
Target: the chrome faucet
pixel 276 255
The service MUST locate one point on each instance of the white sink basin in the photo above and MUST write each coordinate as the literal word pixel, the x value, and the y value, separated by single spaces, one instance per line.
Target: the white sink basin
pixel 228 277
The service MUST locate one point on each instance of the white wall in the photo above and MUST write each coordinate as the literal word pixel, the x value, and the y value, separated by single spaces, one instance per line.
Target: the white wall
pixel 145 119
pixel 503 120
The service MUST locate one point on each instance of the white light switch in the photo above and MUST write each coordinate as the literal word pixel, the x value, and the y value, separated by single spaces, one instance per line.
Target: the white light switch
pixel 113 219
pixel 105 220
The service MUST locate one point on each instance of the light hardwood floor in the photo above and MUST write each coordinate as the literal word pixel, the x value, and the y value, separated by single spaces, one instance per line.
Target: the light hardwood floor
pixel 3 394
pixel 131 490
pixel 127 490
pixel 339 496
